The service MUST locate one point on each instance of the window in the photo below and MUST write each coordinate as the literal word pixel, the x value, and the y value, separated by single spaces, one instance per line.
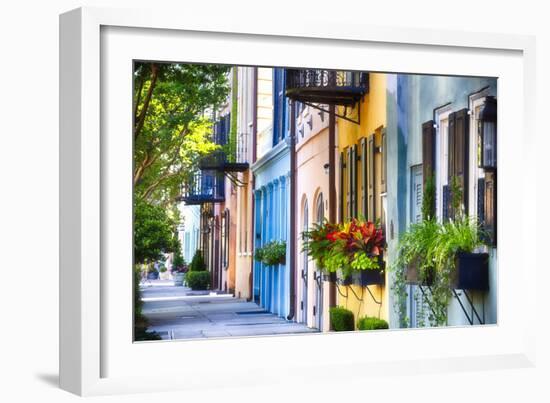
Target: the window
pixel 441 164
pixel 483 184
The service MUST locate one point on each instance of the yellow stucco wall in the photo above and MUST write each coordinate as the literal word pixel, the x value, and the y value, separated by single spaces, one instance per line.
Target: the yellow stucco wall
pixel 372 121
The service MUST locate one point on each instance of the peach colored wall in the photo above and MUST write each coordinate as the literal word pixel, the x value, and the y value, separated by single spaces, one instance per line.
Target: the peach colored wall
pixel 312 154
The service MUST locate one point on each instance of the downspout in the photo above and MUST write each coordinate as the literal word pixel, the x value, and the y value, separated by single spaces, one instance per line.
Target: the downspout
pixel 292 243
pixel 252 178
pixel 332 184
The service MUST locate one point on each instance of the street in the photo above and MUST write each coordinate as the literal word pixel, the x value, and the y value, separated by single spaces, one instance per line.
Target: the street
pixel 179 313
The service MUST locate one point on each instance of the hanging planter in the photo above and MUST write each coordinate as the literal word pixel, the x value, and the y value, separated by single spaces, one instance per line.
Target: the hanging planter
pixel 471 271
pixel 413 276
pixel 369 277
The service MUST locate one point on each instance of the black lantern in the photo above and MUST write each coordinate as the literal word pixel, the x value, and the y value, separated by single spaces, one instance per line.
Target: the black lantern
pixel 487 134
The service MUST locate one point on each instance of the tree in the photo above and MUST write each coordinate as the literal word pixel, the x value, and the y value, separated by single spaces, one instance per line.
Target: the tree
pixel 153 232
pixel 170 129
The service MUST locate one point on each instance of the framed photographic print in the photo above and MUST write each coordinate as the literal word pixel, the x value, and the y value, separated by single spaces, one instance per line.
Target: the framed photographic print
pixel 283 199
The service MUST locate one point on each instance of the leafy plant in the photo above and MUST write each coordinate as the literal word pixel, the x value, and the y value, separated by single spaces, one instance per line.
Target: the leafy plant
pixel 432 248
pixel 197 263
pixel 371 323
pixel 198 280
pixel 354 245
pixel 341 319
pixel 271 253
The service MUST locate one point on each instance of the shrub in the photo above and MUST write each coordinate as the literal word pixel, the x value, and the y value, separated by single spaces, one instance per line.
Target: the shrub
pixel 197 263
pixel 371 323
pixel 341 319
pixel 198 280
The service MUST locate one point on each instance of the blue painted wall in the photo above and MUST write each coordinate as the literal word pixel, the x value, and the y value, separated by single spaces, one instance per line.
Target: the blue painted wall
pixel 411 100
pixel 272 203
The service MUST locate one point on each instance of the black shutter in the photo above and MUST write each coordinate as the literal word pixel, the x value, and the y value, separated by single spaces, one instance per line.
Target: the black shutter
pixel 370 178
pixel 490 205
pixel 446 201
pixel 384 175
pixel 461 137
pixel 364 198
pixel 428 150
pixel 348 182
pixel 481 200
pixel 341 193
pixel 353 180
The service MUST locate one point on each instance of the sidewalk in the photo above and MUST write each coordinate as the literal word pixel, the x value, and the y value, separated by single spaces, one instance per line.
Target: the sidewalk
pixel 180 313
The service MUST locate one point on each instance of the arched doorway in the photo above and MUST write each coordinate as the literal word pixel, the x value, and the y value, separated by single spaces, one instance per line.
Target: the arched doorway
pixel 304 272
pixel 318 276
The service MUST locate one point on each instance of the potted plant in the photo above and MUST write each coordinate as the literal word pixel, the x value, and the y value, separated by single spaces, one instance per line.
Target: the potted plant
pixel 356 251
pixel 347 251
pixel 272 253
pixel 179 268
pixel 318 246
pixel 444 256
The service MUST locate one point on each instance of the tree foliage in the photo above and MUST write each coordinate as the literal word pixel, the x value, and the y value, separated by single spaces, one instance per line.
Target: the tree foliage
pixel 153 232
pixel 170 129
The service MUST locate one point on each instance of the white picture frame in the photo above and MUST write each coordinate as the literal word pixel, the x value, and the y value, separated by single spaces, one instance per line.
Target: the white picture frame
pixel 94 360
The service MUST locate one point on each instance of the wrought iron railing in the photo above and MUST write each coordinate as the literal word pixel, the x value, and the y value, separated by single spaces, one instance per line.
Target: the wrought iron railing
pixel 204 187
pixel 326 86
pixel 232 154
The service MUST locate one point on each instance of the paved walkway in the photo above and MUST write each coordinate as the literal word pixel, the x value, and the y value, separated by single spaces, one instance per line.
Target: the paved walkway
pixel 179 313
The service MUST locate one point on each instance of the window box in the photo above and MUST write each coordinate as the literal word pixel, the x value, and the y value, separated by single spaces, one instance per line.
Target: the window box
pixel 369 277
pixel 471 272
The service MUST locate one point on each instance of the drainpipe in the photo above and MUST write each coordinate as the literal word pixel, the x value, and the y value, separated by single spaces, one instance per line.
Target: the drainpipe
pixel 252 228
pixel 332 184
pixel 292 243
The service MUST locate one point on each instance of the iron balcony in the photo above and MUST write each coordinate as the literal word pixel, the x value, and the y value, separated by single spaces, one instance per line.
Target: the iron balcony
pixel 231 154
pixel 330 87
pixel 204 187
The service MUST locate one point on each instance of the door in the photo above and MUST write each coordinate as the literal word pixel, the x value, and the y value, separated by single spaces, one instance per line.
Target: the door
pixel 304 272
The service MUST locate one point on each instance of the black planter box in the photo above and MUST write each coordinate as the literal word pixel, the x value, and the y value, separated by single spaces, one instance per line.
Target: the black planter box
pixel 471 272
pixel 345 280
pixel 329 277
pixel 369 277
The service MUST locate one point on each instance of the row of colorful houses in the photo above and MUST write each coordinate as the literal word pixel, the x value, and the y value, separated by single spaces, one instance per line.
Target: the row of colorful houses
pixel 304 146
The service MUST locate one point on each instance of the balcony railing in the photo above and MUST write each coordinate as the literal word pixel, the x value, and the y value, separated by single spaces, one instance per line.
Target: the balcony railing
pixel 233 153
pixel 204 187
pixel 330 87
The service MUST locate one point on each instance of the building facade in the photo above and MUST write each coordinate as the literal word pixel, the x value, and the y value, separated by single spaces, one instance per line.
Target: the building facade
pixel 312 185
pixel 362 191
pixel 434 129
pixel 271 283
